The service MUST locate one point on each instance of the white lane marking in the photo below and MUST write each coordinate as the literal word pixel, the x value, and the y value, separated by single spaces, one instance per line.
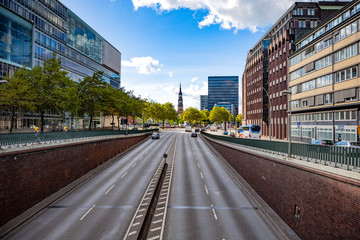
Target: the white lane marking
pixel 124 175
pixel 198 165
pixel 201 175
pixel 87 213
pixel 207 192
pixel 132 233
pixel 110 189
pixel 159 214
pixel 133 165
pixel 135 224
pixel 212 206
pixel 154 222
pixel 153 238
pixel 155 229
pixel 139 215
pixel 141 157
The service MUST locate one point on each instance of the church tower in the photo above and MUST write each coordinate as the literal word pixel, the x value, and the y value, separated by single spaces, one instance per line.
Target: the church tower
pixel 180 102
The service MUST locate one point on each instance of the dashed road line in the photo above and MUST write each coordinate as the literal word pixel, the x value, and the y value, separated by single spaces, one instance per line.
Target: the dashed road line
pixel 207 192
pixel 124 175
pixel 110 189
pixel 87 213
pixel 212 208
pixel 133 165
pixel 201 175
pixel 198 165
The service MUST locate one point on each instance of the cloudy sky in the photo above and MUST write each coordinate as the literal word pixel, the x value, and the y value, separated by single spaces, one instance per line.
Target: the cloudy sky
pixel 167 42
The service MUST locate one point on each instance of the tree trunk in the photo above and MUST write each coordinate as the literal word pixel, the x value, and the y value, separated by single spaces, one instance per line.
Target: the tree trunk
pixel 118 118
pixel 72 121
pixel 91 118
pixel 42 121
pixel 112 125
pixel 163 124
pixel 12 118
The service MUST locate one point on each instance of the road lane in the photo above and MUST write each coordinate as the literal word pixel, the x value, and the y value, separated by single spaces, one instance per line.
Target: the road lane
pixel 206 203
pixel 101 207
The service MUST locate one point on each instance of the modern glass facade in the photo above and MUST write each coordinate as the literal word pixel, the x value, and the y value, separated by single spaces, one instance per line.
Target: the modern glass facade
pixel 58 30
pixel 223 89
pixel 32 30
pixel 15 39
pixel 204 102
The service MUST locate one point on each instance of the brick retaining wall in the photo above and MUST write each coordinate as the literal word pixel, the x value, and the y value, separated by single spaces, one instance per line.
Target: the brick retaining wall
pixel 329 204
pixel 27 177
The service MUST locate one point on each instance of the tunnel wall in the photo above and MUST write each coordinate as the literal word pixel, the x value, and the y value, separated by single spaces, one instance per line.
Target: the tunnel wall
pixel 329 203
pixel 27 177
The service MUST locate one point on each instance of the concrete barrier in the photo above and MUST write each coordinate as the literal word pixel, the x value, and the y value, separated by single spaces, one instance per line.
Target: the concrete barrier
pixel 29 176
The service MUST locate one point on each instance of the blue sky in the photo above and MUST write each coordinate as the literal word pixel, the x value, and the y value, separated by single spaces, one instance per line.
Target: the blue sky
pixel 165 42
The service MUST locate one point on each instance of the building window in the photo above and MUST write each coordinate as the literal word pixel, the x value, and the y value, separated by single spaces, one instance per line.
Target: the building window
pixel 346 74
pixel 328 98
pixel 325 133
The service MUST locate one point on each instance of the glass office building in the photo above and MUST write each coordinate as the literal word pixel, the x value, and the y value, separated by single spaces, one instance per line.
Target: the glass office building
pixel 204 102
pixel 32 30
pixel 223 89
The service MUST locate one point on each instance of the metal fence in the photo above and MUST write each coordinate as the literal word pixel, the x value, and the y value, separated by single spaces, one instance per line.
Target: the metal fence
pixel 13 139
pixel 348 157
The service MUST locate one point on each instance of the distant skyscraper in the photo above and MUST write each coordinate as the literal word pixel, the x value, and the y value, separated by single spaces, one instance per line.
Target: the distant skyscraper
pixel 223 89
pixel 203 102
pixel 180 101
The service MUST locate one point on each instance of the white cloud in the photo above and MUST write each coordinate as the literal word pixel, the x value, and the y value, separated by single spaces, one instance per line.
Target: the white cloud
pixel 194 79
pixel 144 65
pixel 229 14
pixel 170 74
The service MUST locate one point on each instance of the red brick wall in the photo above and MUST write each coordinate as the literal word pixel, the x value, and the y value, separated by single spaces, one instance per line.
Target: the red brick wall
pixel 329 204
pixel 28 177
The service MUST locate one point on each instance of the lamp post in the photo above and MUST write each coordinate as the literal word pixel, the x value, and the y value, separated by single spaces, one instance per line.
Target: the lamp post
pixel 287 92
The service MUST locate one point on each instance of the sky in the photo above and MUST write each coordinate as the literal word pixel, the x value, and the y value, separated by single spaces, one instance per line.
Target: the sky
pixel 167 42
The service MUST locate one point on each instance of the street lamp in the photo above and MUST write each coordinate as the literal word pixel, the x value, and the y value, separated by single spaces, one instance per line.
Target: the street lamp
pixel 287 92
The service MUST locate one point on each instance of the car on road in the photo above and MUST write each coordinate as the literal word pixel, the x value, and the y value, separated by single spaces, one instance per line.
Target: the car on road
pixel 348 144
pixel 321 142
pixel 155 135
pixel 188 129
pixel 193 134
pixel 197 130
pixel 203 130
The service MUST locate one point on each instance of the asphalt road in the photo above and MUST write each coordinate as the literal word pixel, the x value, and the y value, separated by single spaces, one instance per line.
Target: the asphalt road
pixel 205 201
pixel 103 206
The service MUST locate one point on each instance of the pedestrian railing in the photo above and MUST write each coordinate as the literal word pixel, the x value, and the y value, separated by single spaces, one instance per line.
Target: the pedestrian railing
pixel 15 139
pixel 348 157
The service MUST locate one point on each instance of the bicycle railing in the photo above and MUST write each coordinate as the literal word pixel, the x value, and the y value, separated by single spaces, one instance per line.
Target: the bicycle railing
pixel 11 139
pixel 335 155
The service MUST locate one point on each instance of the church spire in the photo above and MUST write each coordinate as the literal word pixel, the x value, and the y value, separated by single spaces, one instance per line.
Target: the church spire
pixel 180 101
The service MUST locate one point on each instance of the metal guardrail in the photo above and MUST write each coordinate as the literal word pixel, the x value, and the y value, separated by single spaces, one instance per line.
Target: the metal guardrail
pixel 11 139
pixel 348 157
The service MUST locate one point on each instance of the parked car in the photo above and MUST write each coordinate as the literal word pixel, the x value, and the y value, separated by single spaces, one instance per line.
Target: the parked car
pixel 348 144
pixel 225 133
pixel 203 130
pixel 197 130
pixel 232 134
pixel 321 142
pixel 155 135
pixel 193 134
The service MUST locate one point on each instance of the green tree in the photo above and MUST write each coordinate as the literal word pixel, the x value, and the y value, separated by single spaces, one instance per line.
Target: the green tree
pixel 50 88
pixel 192 115
pixel 93 96
pixel 15 94
pixel 219 115
pixel 239 119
